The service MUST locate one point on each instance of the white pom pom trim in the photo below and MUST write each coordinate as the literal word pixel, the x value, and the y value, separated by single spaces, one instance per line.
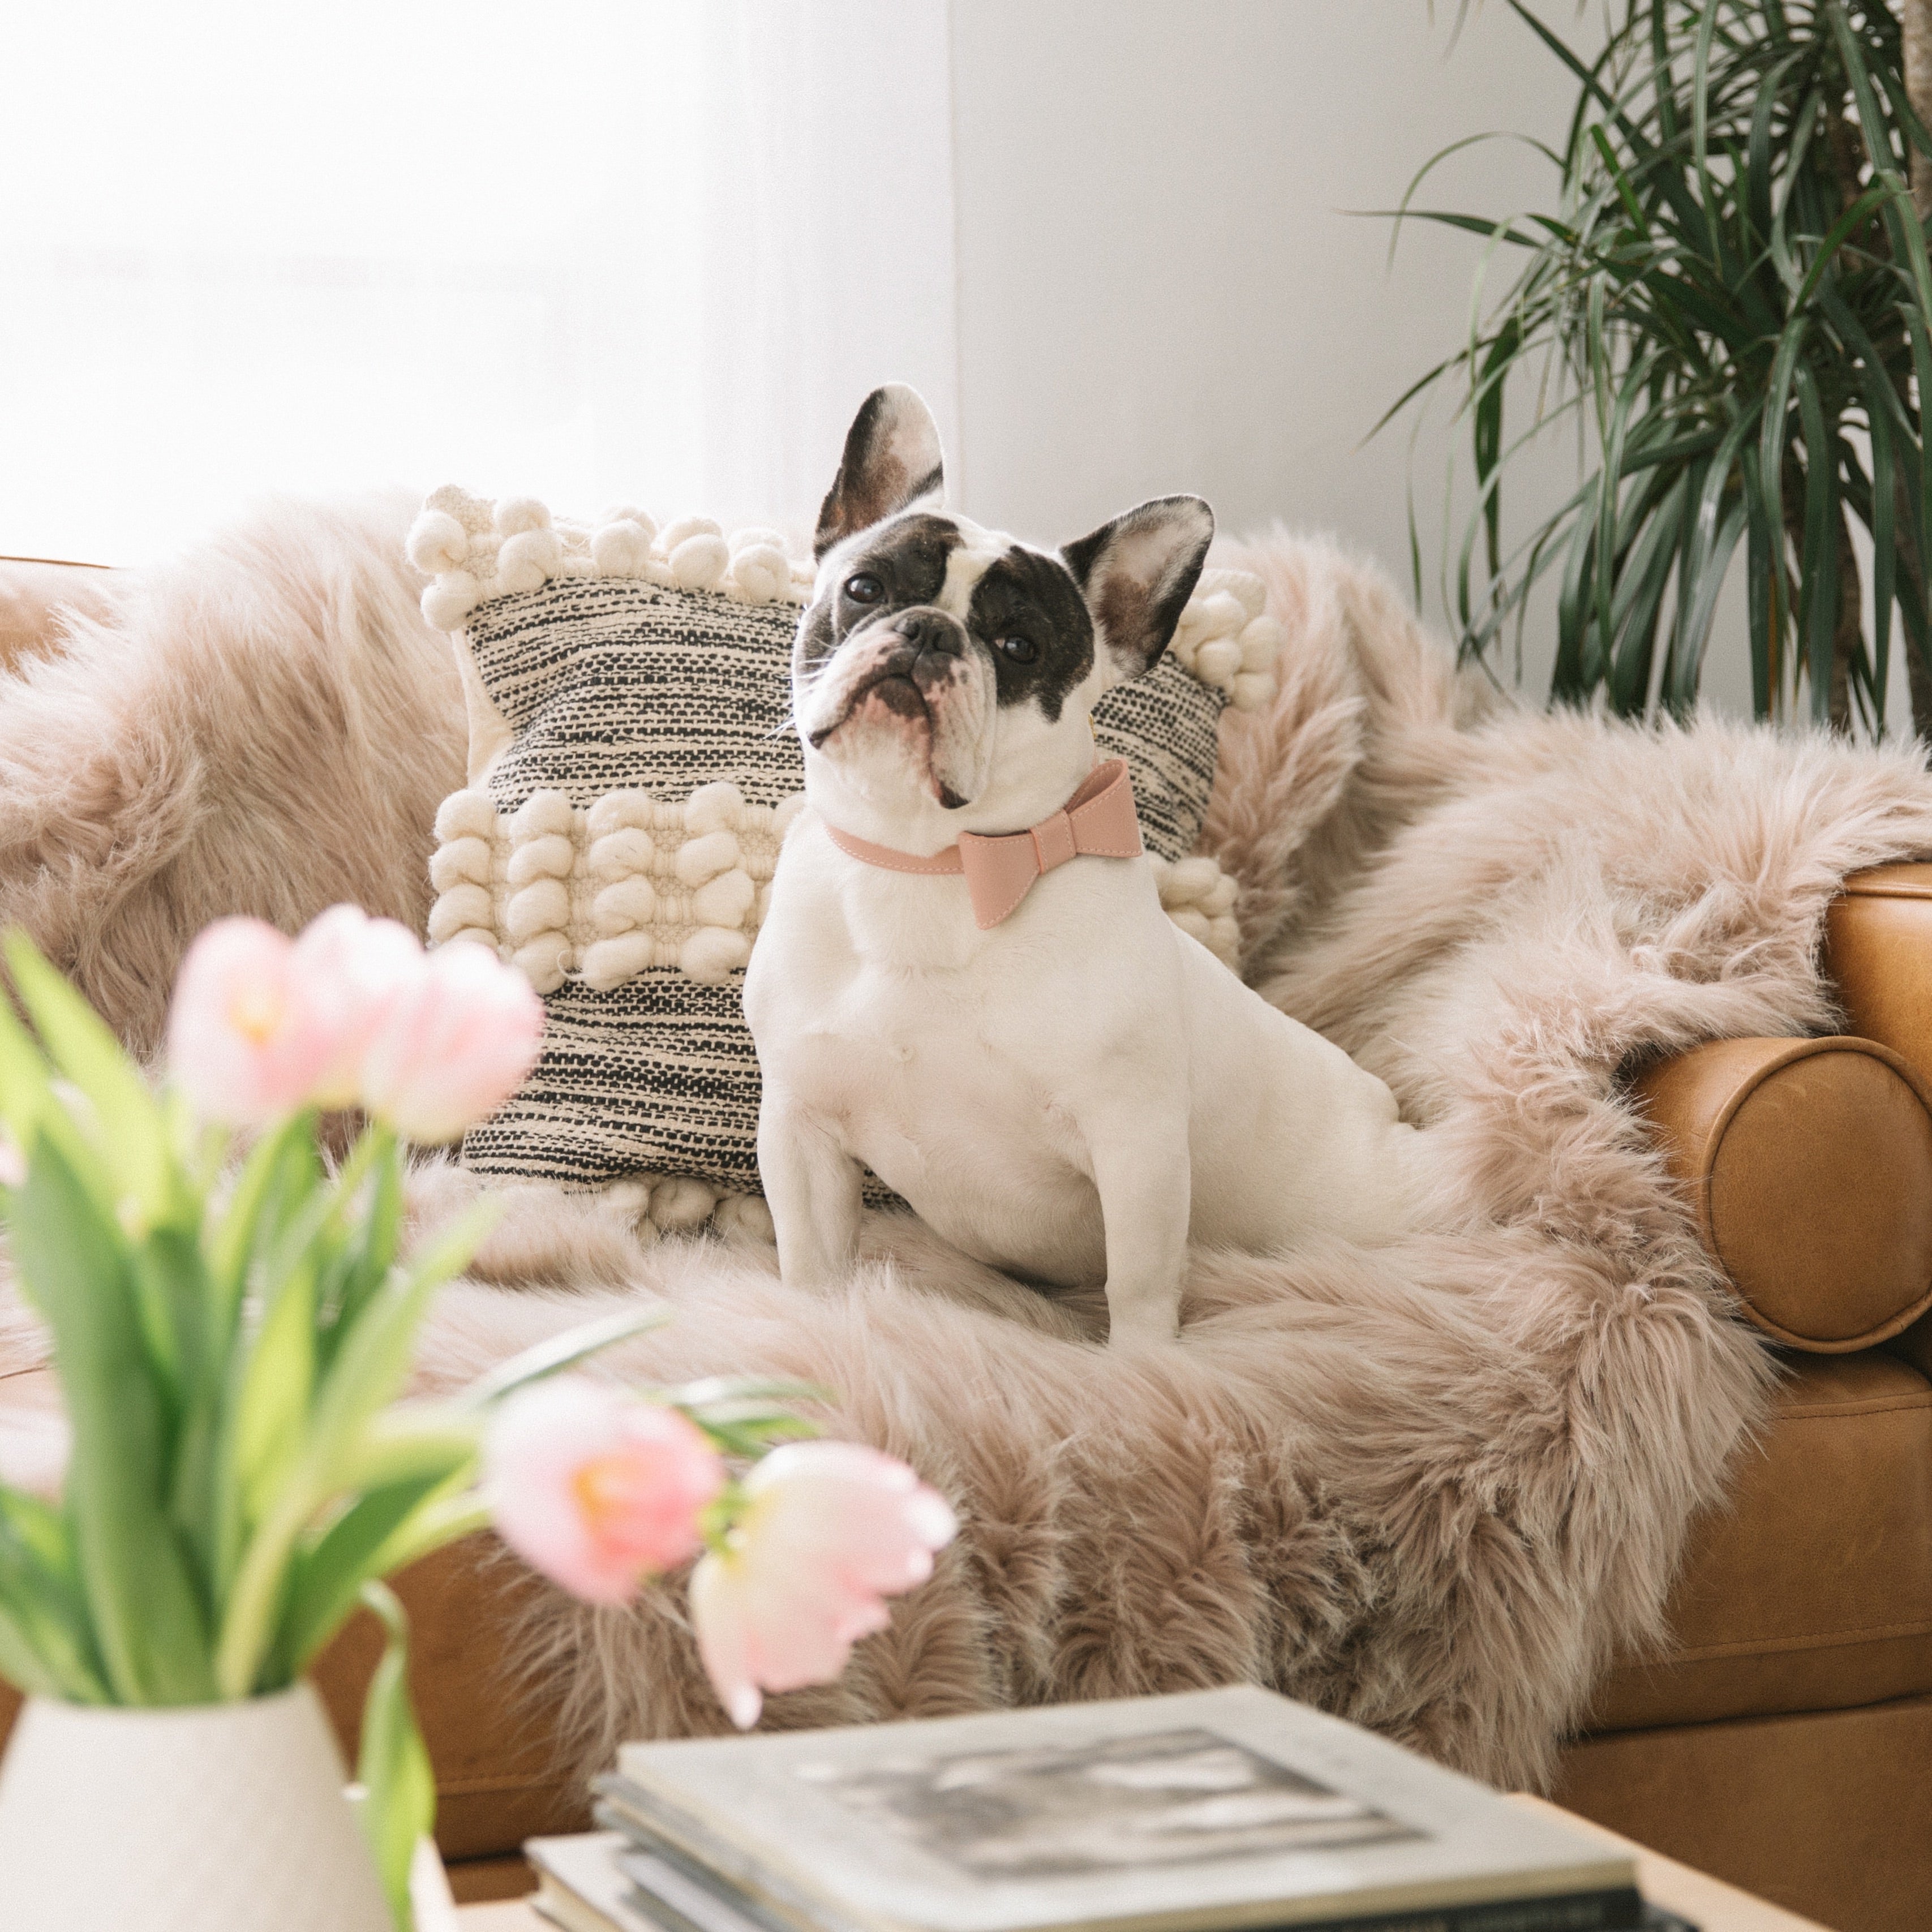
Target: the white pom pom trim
pixel 621 549
pixel 665 1203
pixel 632 883
pixel 1199 898
pixel 1227 639
pixel 477 550
pixel 450 599
pixel 657 1205
pixel 514 515
pixel 636 883
pixel 437 543
pixel 699 563
pixel 527 558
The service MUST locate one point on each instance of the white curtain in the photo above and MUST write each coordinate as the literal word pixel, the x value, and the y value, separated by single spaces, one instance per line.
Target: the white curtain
pixel 594 250
pixel 828 235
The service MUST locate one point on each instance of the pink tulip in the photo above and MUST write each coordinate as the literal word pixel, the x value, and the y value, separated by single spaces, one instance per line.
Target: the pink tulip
pixel 351 970
pixel 832 1529
pixel 595 1487
pixel 454 1044
pixel 243 1041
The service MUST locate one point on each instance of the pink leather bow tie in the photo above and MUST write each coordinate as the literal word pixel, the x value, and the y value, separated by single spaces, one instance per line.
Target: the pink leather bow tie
pixel 1097 822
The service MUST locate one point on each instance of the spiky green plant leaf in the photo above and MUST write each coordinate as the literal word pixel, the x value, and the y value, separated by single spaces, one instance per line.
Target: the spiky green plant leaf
pixel 1734 284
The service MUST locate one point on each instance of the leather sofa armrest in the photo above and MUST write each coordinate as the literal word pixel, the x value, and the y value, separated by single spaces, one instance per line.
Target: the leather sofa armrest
pixel 1808 1164
pixel 1878 951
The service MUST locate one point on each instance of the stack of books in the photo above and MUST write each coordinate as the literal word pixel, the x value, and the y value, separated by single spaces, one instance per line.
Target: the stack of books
pixel 1206 1812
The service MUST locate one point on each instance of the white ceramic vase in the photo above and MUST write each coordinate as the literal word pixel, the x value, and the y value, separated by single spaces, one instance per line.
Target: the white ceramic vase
pixel 219 1818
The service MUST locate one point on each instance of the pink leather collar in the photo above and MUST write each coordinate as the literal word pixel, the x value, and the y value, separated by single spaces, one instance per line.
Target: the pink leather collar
pixel 1097 822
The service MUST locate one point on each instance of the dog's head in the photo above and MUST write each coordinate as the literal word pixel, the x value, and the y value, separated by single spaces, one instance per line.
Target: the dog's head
pixel 943 674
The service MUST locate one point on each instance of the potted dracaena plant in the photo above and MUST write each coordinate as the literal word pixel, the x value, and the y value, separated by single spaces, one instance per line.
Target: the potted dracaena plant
pixel 232 1339
pixel 1730 304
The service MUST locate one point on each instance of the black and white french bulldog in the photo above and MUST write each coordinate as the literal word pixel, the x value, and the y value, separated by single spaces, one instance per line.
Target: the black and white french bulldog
pixel 1074 1092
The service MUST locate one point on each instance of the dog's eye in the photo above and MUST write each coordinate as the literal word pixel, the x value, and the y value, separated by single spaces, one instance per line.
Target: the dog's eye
pixel 864 588
pixel 1018 650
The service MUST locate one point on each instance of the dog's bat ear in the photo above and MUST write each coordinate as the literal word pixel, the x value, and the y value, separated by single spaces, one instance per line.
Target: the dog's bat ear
pixel 1137 574
pixel 892 460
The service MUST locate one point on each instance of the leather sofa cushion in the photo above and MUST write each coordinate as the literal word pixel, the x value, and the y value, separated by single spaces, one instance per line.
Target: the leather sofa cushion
pixel 1828 1816
pixel 1808 1163
pixel 1811 1589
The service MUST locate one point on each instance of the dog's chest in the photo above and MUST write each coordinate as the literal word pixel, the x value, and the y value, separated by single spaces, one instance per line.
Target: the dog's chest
pixel 926 1061
pixel 936 1084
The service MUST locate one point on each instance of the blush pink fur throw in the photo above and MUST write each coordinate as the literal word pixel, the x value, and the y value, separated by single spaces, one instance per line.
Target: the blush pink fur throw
pixel 1435 1487
pixel 265 724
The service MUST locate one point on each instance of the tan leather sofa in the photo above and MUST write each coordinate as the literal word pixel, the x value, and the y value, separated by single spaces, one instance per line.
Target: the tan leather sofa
pixel 1785 1742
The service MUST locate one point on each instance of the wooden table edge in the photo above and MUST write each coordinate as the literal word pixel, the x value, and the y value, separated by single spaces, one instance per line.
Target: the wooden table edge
pixel 1708 1903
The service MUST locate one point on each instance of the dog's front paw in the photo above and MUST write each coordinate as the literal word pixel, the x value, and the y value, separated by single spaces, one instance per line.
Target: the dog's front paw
pixel 1146 1326
pixel 822 1284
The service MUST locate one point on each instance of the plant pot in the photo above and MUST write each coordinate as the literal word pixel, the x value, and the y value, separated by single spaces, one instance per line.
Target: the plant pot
pixel 216 1818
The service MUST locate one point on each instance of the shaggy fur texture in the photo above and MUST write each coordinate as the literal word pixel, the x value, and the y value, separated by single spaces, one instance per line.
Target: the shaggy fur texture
pixel 1434 1487
pixel 264 725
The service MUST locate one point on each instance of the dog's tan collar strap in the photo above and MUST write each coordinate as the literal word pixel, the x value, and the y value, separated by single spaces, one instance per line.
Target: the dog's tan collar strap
pixel 1097 822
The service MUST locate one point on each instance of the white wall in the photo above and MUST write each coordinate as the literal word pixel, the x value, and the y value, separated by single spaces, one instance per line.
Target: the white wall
pixel 1160 285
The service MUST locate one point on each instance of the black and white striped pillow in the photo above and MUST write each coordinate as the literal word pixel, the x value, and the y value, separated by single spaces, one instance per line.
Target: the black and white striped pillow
pixel 631 775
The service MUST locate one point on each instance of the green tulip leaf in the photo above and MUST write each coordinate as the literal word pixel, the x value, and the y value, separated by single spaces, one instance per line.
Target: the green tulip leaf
pixel 46 1644
pixel 327 1579
pixel 147 1616
pixel 133 1139
pixel 558 1352
pixel 393 1766
pixel 367 1372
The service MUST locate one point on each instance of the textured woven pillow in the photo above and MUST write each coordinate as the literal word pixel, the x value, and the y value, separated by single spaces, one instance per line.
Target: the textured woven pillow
pixel 632 773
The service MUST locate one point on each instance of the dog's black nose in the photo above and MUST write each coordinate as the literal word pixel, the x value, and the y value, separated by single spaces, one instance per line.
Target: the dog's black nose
pixel 932 631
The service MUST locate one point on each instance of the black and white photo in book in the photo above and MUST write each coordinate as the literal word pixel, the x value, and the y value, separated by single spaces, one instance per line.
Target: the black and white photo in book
pixel 1165 1797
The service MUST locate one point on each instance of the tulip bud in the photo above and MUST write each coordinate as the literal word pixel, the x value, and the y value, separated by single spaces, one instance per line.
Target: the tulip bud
pixel 243 1043
pixel 595 1487
pixel 454 1044
pixel 830 1530
pixel 352 969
